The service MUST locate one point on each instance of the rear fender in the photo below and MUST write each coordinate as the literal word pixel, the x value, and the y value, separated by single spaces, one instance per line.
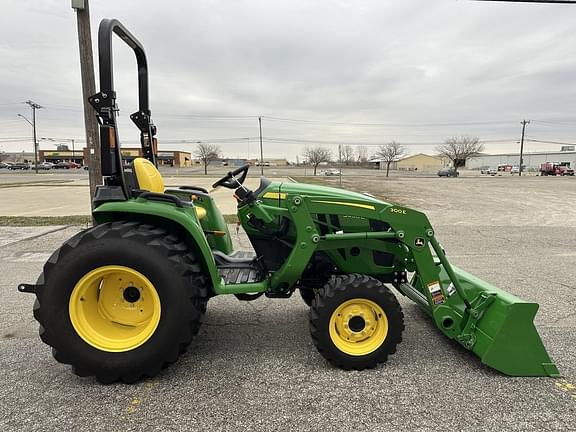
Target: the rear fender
pixel 163 214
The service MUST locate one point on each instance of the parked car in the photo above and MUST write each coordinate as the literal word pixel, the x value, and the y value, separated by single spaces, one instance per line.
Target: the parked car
pixel 5 165
pixel 492 171
pixel 66 165
pixel 19 166
pixel 448 172
pixel 332 172
pixel 515 170
pixel 45 166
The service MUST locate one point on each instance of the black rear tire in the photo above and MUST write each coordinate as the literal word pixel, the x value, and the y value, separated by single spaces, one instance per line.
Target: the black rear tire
pixel 341 290
pixel 161 257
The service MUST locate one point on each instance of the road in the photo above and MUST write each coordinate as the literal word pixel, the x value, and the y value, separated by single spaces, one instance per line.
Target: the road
pixel 254 367
pixel 62 195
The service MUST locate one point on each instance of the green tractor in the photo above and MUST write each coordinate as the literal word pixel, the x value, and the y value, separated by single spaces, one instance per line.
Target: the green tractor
pixel 123 299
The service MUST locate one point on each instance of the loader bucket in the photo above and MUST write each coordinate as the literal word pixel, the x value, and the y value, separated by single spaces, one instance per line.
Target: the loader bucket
pixel 504 335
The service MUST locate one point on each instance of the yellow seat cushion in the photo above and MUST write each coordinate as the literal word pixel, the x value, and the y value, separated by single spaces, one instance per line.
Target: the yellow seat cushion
pixel 150 179
pixel 200 212
pixel 148 176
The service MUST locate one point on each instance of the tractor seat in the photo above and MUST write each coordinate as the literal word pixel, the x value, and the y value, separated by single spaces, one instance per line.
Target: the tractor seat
pixel 150 179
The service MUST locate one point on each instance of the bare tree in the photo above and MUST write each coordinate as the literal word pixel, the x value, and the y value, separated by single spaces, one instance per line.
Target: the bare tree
pixel 458 149
pixel 389 153
pixel 347 154
pixel 316 155
pixel 207 152
pixel 362 153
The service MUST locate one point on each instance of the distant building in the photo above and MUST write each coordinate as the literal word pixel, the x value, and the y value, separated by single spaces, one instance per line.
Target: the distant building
pixel 418 162
pixel 178 159
pixel 268 162
pixel 532 160
pixel 24 157
pixel 234 162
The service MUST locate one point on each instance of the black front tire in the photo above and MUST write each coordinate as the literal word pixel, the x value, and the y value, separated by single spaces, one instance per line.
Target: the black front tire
pixel 353 287
pixel 307 295
pixel 161 257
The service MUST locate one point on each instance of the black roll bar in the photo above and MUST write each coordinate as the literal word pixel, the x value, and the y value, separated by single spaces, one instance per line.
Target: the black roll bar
pixel 107 27
pixel 104 103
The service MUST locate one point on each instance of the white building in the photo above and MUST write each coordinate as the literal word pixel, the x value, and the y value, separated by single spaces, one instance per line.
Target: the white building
pixel 532 160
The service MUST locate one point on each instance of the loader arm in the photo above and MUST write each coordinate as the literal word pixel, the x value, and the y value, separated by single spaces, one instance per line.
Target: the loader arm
pixel 495 325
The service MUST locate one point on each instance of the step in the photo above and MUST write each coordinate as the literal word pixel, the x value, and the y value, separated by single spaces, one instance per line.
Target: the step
pixel 240 275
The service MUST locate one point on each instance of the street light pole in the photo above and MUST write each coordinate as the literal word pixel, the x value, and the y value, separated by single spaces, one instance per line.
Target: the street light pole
pixel 34 106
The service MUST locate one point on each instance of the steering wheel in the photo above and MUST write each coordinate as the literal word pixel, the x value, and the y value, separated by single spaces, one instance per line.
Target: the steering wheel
pixel 230 180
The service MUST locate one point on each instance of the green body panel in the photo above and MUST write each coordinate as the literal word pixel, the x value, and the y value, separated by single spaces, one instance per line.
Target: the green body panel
pixel 214 221
pixel 185 217
pixel 361 234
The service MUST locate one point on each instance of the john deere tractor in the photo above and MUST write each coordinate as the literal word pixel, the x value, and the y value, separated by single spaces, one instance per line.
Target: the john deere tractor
pixel 123 299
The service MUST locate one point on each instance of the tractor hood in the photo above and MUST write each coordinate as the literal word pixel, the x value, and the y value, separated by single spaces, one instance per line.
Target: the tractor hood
pixel 327 193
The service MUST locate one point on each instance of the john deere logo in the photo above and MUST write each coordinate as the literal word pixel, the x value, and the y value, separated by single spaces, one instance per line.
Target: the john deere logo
pixel 419 242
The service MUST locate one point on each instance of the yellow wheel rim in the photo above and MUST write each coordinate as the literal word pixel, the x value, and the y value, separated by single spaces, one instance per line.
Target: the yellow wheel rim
pixel 358 327
pixel 114 308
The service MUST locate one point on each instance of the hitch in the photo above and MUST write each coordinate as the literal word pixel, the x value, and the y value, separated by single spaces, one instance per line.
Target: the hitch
pixel 27 288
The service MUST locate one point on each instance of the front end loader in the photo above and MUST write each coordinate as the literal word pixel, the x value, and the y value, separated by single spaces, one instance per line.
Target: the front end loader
pixel 123 299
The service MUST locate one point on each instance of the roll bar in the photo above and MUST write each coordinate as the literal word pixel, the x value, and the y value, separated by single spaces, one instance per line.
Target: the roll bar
pixel 107 27
pixel 104 102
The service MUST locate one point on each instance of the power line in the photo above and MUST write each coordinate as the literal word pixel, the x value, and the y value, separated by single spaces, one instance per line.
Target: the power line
pixel 547 122
pixel 207 117
pixel 291 140
pixel 551 142
pixel 429 124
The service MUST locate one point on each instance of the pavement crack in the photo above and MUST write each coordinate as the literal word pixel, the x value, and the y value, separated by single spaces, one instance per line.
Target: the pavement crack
pixel 62 228
pixel 565 285
pixel 570 315
pixel 226 324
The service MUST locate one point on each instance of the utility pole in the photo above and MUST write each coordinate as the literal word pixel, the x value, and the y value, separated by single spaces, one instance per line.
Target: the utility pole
pixel 34 106
pixel 88 89
pixel 261 151
pixel 523 123
pixel 340 164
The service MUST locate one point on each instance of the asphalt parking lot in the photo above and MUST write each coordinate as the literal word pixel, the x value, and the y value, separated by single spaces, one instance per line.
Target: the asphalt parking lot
pixel 254 367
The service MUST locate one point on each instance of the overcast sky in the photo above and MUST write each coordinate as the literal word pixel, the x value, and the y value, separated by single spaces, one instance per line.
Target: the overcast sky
pixel 327 72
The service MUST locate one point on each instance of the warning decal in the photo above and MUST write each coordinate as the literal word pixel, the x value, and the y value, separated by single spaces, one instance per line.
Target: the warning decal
pixel 436 293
